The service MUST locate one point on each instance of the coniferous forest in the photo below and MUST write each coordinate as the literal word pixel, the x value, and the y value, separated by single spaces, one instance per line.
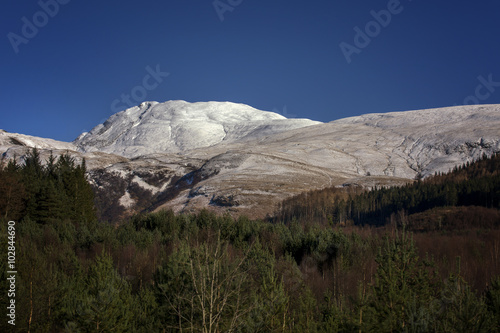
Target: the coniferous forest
pixel 424 257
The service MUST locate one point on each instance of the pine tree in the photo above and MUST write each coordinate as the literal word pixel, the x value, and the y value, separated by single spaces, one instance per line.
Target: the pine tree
pixel 462 310
pixel 403 287
pixel 12 192
pixel 32 178
pixel 492 300
pixel 105 303
pixel 50 203
pixel 270 313
pixel 84 196
pixel 58 190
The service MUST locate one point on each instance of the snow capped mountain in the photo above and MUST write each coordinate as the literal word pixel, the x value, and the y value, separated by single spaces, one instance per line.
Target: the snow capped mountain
pixel 227 156
pixel 9 140
pixel 368 150
pixel 179 126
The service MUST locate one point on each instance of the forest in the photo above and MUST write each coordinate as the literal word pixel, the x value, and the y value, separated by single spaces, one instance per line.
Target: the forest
pixel 424 257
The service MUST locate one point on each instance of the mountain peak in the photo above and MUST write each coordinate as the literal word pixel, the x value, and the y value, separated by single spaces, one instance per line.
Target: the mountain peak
pixel 178 126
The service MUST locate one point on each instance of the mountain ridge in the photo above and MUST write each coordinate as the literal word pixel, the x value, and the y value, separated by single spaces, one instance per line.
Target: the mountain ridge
pixel 254 159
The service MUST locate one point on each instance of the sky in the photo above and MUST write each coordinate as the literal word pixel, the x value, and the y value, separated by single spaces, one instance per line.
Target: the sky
pixel 67 65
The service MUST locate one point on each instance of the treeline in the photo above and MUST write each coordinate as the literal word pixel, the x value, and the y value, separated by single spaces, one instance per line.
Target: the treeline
pixel 473 184
pixel 42 191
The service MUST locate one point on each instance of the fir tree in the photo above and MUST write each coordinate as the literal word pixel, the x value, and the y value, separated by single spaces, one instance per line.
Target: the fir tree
pixel 403 287
pixel 105 303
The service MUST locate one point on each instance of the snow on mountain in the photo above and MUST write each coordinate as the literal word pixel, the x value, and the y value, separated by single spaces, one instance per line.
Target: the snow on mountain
pixel 228 156
pixel 9 140
pixel 368 150
pixel 400 144
pixel 179 126
pixel 434 139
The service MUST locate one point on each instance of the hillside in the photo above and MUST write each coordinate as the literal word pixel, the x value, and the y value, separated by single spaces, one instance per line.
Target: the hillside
pixel 231 157
pixel 468 196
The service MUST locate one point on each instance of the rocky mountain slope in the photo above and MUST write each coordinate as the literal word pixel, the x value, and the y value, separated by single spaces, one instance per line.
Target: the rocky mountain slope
pixel 228 156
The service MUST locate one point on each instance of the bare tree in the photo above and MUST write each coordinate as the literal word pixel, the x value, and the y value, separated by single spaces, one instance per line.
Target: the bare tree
pixel 213 295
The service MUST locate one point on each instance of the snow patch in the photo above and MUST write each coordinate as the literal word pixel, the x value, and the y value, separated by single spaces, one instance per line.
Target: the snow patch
pixel 139 181
pixel 127 201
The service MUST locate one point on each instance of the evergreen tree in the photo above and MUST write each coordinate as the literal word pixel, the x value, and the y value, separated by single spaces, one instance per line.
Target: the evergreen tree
pixel 462 310
pixel 403 287
pixel 58 190
pixel 33 179
pixel 12 192
pixel 105 303
pixel 492 299
pixel 271 302
pixel 50 203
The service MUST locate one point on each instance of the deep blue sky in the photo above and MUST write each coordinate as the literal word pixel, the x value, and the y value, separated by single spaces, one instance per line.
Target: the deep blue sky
pixel 279 54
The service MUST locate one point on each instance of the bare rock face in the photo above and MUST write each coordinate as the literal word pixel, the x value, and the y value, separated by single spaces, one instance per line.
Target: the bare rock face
pixel 231 157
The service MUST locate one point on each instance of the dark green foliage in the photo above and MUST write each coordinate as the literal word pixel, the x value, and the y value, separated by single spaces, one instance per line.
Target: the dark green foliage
pixel 101 301
pixel 404 290
pixel 56 190
pixel 270 305
pixel 12 192
pixel 147 276
pixel 492 300
pixel 462 310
